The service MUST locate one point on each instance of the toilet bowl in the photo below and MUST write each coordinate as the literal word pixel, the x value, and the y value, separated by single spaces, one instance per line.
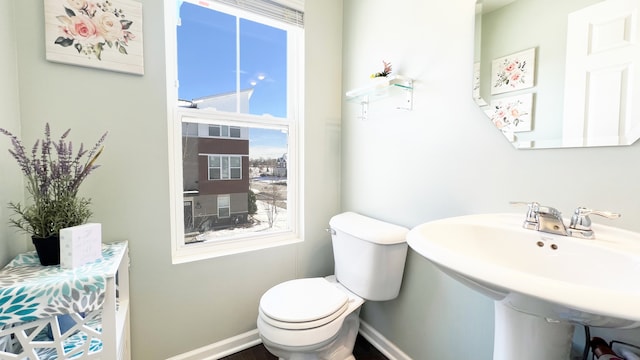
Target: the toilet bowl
pixel 313 318
pixel 318 318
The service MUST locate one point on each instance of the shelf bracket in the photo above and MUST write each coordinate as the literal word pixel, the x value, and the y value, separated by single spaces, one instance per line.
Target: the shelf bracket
pixel 408 103
pixel 364 108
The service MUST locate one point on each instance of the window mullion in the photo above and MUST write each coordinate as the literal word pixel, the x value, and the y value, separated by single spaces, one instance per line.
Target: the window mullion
pixel 238 109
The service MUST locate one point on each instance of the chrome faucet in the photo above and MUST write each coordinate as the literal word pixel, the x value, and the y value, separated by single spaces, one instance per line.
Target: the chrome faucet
pixel 543 218
pixel 580 225
pixel 549 220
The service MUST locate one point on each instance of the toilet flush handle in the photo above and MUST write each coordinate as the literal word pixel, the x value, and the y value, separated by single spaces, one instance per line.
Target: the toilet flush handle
pixel 330 231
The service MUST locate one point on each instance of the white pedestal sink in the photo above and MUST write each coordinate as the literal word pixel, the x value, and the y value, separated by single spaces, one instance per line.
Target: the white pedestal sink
pixel 542 283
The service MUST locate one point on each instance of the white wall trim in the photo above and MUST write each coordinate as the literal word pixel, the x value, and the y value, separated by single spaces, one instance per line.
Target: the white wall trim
pixel 251 338
pixel 386 347
pixel 222 348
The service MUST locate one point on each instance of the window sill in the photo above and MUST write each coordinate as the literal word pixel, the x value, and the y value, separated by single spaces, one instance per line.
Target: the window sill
pixel 212 249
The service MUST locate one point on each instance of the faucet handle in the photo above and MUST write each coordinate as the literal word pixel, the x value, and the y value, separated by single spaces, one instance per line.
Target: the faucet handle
pixel 607 214
pixel 531 222
pixel 533 206
pixel 581 221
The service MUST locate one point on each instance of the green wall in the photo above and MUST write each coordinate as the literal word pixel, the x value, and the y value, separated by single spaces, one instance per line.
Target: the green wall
pixel 445 158
pixel 174 308
pixel 11 183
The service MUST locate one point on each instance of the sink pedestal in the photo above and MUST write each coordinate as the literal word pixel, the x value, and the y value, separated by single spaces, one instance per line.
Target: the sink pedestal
pixel 526 337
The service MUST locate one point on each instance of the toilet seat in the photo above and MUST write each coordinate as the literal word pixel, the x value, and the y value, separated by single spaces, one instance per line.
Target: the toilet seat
pixel 303 304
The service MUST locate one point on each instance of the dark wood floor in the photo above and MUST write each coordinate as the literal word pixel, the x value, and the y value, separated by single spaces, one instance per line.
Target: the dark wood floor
pixel 362 351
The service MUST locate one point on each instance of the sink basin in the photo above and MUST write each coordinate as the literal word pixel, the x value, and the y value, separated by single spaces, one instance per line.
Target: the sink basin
pixel 556 279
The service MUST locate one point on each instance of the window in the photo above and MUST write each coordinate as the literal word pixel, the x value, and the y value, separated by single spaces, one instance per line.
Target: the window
pixel 188 215
pixel 224 131
pixel 224 207
pixel 215 168
pixel 235 113
pixel 214 130
pixel 225 167
pixel 234 132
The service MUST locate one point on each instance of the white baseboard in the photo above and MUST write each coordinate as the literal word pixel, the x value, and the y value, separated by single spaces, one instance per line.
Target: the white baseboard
pixel 251 338
pixel 386 347
pixel 222 348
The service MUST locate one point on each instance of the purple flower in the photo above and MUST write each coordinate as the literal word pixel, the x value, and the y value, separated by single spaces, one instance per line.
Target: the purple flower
pixel 52 180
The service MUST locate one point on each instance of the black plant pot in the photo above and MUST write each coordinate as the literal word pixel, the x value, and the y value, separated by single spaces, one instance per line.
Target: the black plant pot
pixel 48 249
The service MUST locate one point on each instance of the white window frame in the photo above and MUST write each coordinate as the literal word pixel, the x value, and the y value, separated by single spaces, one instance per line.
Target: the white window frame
pixel 222 170
pixel 227 198
pixel 232 129
pixel 293 124
pixel 221 129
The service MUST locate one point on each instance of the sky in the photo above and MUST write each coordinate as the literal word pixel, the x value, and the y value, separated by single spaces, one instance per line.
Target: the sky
pixel 207 66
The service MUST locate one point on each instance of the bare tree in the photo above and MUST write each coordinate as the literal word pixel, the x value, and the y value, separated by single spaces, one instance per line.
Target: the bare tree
pixel 274 195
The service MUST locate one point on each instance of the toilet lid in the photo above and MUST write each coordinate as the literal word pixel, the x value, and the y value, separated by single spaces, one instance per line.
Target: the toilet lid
pixel 303 301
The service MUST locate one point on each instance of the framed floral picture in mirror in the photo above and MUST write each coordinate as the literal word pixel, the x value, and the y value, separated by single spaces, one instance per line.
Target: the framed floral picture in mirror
pixel 104 34
pixel 513 72
pixel 513 113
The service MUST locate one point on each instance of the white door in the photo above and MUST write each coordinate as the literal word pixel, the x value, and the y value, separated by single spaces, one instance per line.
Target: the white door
pixel 602 72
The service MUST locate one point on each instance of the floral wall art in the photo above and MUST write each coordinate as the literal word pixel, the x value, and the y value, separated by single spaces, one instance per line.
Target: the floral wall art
pixel 101 34
pixel 513 72
pixel 512 114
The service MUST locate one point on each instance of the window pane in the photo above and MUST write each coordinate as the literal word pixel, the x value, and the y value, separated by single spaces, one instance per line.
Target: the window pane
pixel 214 174
pixel 204 75
pixel 263 60
pixel 225 167
pixel 188 216
pixel 258 202
pixel 214 131
pixel 212 84
pixel 234 132
pixel 223 201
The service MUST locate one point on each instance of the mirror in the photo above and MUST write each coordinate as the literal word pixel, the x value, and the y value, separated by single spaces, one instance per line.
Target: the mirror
pixel 553 74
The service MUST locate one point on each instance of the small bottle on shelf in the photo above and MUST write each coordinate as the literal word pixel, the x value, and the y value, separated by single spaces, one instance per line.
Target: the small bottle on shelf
pixel 602 350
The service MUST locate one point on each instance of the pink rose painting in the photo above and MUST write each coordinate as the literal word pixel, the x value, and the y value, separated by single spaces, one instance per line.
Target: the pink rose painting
pixel 103 34
pixel 512 114
pixel 513 72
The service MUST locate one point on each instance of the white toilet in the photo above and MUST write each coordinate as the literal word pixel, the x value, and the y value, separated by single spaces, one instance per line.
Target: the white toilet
pixel 318 318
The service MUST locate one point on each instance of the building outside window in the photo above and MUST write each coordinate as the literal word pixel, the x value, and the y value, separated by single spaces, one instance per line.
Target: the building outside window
pixel 236 127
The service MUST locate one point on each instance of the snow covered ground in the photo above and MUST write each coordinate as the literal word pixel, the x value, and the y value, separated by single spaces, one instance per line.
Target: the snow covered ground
pixel 261 224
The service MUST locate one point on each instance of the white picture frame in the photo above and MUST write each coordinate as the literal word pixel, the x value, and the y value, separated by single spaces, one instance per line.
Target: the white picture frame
pixel 513 72
pixel 97 34
pixel 513 113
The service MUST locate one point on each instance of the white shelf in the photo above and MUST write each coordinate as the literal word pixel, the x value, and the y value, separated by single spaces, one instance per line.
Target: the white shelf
pixel 381 88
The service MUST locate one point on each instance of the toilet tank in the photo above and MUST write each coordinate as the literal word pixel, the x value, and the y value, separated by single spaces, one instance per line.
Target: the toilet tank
pixel 369 255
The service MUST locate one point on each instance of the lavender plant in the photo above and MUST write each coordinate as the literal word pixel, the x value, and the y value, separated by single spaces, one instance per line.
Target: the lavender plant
pixel 53 174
